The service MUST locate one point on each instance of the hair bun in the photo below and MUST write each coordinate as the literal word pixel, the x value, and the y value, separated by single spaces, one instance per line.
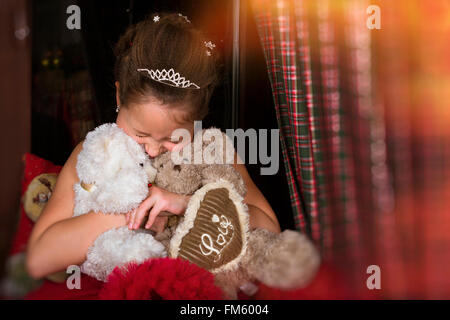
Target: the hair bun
pixel 125 42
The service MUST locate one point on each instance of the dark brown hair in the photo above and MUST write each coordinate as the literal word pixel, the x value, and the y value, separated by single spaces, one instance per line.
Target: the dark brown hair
pixel 171 42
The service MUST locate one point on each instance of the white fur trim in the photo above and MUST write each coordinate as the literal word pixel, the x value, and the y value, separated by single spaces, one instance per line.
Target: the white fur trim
pixel 191 212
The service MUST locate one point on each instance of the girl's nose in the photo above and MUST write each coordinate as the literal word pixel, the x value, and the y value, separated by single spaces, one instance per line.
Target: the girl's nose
pixel 152 151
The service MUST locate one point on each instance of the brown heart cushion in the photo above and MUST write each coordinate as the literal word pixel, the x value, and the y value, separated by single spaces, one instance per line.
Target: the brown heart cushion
pixel 213 232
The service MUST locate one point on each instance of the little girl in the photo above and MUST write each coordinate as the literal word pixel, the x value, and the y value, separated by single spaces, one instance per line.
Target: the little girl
pixel 150 108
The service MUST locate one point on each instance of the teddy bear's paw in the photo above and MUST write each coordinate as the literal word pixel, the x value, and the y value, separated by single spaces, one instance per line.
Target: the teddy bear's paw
pixel 229 282
pixel 116 247
pixel 285 261
pixel 214 231
pixel 249 288
pixel 232 281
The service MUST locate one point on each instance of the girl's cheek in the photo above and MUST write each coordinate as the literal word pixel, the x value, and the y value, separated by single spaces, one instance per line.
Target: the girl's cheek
pixel 122 126
pixel 137 139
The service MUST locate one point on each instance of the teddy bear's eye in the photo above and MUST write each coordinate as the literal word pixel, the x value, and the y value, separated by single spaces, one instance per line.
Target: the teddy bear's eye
pixel 177 168
pixel 141 164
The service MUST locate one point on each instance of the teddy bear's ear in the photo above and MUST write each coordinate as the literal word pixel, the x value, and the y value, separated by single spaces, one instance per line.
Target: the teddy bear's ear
pixel 216 147
pixel 38 193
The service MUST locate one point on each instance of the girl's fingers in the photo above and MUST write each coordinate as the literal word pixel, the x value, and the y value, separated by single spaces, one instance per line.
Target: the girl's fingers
pixel 139 217
pixel 141 212
pixel 152 216
pixel 128 216
pixel 144 206
pixel 131 216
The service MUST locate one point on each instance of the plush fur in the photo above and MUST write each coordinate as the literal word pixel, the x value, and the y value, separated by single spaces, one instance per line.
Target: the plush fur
pixel 115 169
pixel 117 247
pixel 287 260
pixel 186 177
pixel 114 172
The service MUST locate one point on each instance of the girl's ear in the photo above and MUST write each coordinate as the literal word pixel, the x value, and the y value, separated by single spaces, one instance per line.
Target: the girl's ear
pixel 117 93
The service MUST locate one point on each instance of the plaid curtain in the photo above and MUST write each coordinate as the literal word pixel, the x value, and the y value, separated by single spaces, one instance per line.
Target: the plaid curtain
pixel 362 134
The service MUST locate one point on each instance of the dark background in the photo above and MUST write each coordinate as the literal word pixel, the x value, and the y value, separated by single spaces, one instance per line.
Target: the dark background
pixel 60 118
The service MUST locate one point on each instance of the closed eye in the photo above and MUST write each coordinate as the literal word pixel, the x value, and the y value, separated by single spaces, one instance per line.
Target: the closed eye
pixel 141 136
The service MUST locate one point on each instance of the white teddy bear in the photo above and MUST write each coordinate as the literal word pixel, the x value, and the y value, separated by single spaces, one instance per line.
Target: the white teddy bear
pixel 114 172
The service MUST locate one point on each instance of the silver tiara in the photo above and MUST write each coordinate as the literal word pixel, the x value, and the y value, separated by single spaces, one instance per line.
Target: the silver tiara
pixel 170 78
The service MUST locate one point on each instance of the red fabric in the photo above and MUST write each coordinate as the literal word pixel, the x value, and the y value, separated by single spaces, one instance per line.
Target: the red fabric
pixel 161 279
pixel 34 166
pixel 49 290
pixel 328 284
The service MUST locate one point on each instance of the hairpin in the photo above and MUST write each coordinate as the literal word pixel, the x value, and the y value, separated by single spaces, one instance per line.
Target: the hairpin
pixel 156 18
pixel 170 78
pixel 210 46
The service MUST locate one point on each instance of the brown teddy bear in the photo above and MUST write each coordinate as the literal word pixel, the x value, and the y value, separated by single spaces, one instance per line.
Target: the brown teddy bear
pixel 214 231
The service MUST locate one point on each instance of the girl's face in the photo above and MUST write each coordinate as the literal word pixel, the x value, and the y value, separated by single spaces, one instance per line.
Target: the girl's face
pixel 151 125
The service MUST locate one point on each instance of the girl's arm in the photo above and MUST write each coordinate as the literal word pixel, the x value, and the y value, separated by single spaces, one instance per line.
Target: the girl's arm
pixel 58 239
pixel 260 211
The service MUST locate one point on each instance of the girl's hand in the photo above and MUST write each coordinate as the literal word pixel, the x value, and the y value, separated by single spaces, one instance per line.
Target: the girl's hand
pixel 158 200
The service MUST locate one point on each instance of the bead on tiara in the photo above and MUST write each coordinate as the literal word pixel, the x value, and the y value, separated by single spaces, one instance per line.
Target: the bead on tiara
pixel 170 78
